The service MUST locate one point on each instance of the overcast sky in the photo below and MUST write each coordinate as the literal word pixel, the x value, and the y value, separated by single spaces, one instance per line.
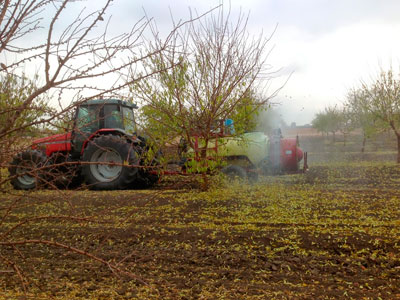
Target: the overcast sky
pixel 330 46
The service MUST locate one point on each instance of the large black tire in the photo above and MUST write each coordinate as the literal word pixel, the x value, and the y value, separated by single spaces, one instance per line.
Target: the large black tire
pixel 27 164
pixel 120 159
pixel 234 172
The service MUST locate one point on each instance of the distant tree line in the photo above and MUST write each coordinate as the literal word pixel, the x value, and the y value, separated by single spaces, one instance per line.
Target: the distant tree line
pixel 373 107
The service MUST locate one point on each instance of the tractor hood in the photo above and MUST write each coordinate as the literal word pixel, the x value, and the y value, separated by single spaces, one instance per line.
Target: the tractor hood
pixel 57 138
pixel 50 144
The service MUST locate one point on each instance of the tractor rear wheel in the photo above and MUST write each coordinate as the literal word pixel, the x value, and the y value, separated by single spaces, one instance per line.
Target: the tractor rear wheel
pixel 24 170
pixel 110 163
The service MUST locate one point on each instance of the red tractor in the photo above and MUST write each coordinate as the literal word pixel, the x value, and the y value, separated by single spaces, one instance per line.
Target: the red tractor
pixel 102 151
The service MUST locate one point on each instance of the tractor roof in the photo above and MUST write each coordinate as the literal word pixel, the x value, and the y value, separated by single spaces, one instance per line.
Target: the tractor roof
pixel 109 101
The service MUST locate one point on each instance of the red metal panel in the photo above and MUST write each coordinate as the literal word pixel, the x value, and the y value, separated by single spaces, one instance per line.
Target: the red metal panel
pixel 291 154
pixel 54 143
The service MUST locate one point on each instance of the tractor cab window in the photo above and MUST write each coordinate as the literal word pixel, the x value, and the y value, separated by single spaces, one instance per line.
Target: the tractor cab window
pixel 129 120
pixel 112 116
pixel 88 120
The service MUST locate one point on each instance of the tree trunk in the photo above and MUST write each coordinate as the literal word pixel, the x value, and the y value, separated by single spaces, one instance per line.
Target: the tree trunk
pixel 398 148
pixel 204 164
pixel 397 133
pixel 363 143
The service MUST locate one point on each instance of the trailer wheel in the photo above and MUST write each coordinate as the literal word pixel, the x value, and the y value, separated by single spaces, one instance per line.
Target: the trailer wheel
pixel 253 176
pixel 24 170
pixel 109 163
pixel 234 172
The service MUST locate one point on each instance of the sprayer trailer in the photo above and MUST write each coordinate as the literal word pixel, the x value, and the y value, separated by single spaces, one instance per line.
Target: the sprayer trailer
pixel 102 150
pixel 252 153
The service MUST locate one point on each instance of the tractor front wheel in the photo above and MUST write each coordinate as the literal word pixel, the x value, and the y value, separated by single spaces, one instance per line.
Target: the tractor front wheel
pixel 25 170
pixel 109 163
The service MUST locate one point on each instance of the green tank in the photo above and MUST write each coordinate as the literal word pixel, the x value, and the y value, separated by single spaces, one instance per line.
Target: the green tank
pixel 252 147
pixel 251 153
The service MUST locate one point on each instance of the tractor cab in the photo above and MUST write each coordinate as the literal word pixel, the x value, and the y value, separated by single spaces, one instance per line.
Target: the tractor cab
pixel 103 116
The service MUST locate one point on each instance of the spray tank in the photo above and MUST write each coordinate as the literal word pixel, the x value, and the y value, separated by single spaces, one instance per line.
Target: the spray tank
pixel 252 153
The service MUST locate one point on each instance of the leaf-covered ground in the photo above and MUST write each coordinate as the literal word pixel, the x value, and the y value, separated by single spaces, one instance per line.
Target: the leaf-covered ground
pixel 333 233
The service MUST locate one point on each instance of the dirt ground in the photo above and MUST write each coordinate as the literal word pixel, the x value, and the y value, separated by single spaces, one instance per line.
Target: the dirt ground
pixel 330 234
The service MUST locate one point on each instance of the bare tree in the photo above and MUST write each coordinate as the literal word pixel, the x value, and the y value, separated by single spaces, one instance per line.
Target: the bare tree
pixel 361 117
pixel 346 124
pixel 52 59
pixel 382 100
pixel 330 120
pixel 221 66
pixel 72 60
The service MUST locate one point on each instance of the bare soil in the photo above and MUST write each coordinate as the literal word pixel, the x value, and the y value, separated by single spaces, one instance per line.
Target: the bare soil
pixel 331 234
